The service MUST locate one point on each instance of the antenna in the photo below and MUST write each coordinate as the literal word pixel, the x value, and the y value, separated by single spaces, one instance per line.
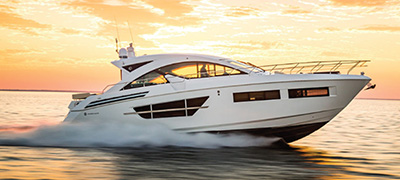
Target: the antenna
pixel 116 26
pixel 116 44
pixel 130 30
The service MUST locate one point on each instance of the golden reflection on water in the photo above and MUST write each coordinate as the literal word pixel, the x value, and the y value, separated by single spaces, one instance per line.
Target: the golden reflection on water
pixel 362 142
pixel 364 138
pixel 297 162
pixel 54 163
pixel 339 167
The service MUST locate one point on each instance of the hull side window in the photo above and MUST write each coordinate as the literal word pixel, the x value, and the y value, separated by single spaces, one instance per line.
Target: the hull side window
pixel 256 96
pixel 308 92
pixel 186 107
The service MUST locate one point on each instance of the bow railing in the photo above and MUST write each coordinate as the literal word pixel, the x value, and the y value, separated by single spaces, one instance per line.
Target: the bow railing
pixel 315 67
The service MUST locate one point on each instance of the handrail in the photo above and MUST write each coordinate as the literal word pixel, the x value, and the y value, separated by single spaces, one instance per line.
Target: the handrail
pixel 355 65
pixel 112 85
pixel 316 66
pixel 293 68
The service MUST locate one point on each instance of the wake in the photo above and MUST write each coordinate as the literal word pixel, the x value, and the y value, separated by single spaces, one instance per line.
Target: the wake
pixel 121 134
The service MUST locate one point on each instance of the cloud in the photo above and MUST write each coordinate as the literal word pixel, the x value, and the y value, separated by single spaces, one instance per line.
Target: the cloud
pixel 69 31
pixel 250 45
pixel 18 56
pixel 141 16
pixel 172 8
pixel 381 28
pixel 370 28
pixel 14 51
pixel 335 54
pixel 366 3
pixel 242 11
pixel 172 31
pixel 11 20
pixel 174 11
pixel 328 29
pixel 25 51
pixel 296 10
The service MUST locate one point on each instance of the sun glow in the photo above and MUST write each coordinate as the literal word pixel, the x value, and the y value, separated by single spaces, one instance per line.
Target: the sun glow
pixel 67 45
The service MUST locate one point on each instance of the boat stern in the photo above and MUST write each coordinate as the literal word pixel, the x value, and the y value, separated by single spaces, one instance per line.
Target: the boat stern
pixel 74 106
pixel 71 116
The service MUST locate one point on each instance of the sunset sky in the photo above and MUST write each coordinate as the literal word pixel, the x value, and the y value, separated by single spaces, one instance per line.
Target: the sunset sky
pixel 68 45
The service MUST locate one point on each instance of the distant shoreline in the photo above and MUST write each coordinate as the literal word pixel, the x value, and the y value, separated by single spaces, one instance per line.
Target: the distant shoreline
pixel 377 99
pixel 45 90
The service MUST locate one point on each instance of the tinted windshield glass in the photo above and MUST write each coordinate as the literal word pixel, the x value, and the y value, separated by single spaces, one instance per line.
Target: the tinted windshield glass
pixel 246 65
pixel 149 79
pixel 188 70
pixel 199 70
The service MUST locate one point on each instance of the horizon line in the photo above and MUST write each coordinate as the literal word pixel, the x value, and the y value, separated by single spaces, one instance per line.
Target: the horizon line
pixel 47 90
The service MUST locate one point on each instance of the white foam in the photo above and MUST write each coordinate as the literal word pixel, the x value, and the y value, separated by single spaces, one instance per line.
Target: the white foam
pixel 124 134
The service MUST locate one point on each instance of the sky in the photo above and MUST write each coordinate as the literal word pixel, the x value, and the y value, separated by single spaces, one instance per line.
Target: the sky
pixel 69 44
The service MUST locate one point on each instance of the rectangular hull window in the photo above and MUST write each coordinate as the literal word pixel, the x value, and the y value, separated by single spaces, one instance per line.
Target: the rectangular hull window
pixel 146 111
pixel 256 96
pixel 308 92
pixel 169 105
pixel 186 107
pixel 194 104
pixel 167 109
pixel 169 114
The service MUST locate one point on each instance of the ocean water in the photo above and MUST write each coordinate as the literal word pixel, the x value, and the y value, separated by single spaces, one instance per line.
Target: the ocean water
pixel 362 142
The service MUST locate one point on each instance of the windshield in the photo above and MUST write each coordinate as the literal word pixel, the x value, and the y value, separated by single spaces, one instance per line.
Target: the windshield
pixel 191 70
pixel 246 65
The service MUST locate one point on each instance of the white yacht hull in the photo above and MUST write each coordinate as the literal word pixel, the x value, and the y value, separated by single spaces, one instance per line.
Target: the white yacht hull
pixel 288 118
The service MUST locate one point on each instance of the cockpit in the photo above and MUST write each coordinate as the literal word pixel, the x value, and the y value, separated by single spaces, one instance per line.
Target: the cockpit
pixel 185 70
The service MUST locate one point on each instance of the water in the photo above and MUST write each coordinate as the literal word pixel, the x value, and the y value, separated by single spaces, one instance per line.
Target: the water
pixel 362 142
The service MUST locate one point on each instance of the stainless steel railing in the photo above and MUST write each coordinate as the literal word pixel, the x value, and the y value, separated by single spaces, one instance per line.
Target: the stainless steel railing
pixel 109 85
pixel 316 66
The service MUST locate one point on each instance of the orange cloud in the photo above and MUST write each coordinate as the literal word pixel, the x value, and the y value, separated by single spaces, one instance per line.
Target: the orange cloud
pixel 69 31
pixel 296 10
pixel 65 44
pixel 11 20
pixel 372 28
pixel 381 28
pixel 364 2
pixel 141 17
pixel 328 29
pixel 242 11
pixel 174 12
pixel 14 51
pixel 16 56
pixel 172 8
pixel 335 54
pixel 250 45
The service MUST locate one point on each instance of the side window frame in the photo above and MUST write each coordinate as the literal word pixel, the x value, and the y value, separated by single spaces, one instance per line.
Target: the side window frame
pixel 206 72
pixel 198 74
pixel 144 84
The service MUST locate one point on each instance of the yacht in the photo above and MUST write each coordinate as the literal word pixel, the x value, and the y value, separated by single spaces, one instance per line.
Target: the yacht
pixel 194 93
